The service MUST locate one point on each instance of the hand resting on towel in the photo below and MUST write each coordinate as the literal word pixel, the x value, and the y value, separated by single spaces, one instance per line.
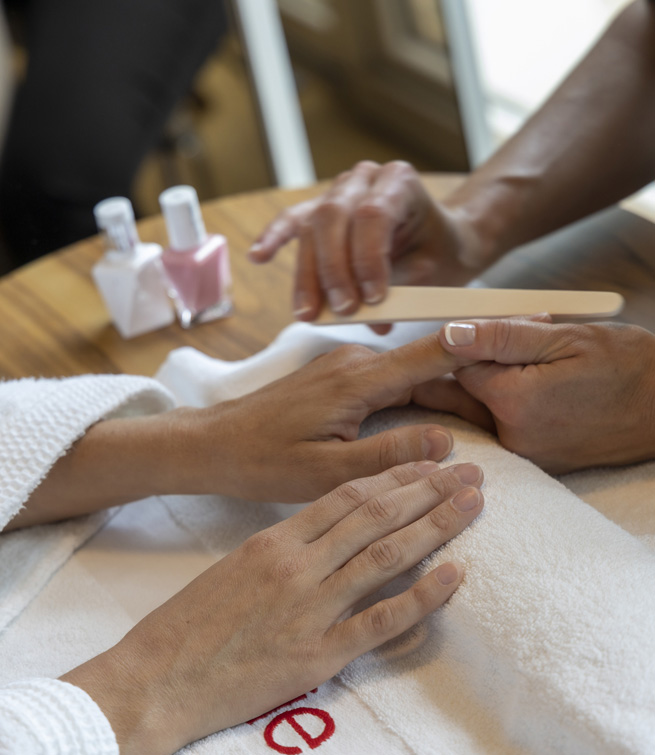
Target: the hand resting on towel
pixel 266 623
pixel 564 396
pixel 291 441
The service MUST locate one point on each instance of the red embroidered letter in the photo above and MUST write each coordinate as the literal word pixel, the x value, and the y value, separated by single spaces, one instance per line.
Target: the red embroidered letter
pixel 290 717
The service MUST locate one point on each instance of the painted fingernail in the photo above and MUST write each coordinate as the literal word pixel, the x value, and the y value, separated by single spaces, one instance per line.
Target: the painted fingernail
pixel 372 292
pixel 467 473
pixel 459 333
pixel 437 444
pixel 339 299
pixel 467 499
pixel 447 573
pixel 426 468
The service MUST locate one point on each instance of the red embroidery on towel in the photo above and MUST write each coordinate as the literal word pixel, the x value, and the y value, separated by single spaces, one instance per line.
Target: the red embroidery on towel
pixel 289 717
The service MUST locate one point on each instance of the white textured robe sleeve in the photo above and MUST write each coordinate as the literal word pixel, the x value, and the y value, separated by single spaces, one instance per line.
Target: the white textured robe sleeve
pixel 49 717
pixel 39 422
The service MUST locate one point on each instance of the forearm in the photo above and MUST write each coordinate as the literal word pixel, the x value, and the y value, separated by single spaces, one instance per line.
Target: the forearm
pixel 590 145
pixel 118 461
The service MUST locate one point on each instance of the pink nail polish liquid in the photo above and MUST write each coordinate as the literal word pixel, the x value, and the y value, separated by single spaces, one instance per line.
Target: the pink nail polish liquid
pixel 197 264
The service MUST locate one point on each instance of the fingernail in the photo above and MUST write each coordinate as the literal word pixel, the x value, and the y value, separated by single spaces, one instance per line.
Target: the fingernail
pixel 372 292
pixel 339 299
pixel 301 306
pixel 459 333
pixel 437 444
pixel 467 499
pixel 426 468
pixel 255 250
pixel 301 313
pixel 467 473
pixel 447 573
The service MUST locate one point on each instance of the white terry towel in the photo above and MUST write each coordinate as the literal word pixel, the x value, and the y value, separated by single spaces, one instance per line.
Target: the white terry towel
pixel 549 644
pixel 39 421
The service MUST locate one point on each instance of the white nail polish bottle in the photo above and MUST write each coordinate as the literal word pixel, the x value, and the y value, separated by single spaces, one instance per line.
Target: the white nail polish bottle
pixel 129 276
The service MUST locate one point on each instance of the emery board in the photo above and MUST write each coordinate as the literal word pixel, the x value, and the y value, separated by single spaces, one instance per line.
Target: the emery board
pixel 405 303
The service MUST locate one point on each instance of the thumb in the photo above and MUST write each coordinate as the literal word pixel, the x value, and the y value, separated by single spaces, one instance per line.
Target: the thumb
pixel 372 455
pixel 507 341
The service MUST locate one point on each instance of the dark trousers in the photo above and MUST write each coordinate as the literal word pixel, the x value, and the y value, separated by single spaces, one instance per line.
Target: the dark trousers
pixel 102 78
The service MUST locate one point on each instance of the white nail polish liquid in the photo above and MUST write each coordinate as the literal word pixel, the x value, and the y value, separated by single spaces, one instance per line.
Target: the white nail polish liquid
pixel 129 276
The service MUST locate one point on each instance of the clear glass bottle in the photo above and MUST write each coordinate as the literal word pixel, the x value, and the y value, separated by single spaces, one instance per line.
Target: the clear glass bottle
pixel 129 276
pixel 197 264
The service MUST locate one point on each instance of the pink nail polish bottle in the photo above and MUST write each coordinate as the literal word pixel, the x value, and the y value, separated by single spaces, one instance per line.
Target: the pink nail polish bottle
pixel 196 264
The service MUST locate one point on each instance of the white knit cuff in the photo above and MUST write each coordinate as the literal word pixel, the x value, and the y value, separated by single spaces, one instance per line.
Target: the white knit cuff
pixel 41 419
pixel 50 717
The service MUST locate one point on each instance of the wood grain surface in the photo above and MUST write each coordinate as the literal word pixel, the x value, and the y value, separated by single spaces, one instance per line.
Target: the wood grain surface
pixel 53 322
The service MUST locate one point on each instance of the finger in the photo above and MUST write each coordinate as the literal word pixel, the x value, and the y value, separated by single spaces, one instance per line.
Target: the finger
pixel 331 223
pixel 508 341
pixel 373 531
pixel 389 618
pixel 389 448
pixel 446 394
pixel 307 295
pixel 496 385
pixel 315 520
pixel 387 377
pixel 381 211
pixel 280 231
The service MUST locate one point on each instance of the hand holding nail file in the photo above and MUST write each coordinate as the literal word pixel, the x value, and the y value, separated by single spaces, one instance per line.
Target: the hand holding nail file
pixel 450 303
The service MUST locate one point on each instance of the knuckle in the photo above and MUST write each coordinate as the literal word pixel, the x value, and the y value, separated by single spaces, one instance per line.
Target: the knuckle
pixel 381 619
pixel 502 336
pixel 389 450
pixel 382 510
pixel 385 555
pixel 440 484
pixel 353 492
pixel 402 167
pixel 371 210
pixel 261 544
pixel 424 596
pixel 366 165
pixel 333 272
pixel 352 353
pixel 287 568
pixel 328 212
pixel 439 520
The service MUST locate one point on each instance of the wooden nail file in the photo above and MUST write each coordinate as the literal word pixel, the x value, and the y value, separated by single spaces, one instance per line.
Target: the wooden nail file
pixel 448 303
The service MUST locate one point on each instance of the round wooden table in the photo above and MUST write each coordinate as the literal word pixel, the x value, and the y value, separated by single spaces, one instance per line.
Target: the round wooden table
pixel 53 322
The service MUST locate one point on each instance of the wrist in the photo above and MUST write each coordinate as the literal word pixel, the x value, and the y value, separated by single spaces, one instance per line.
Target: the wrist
pixel 126 692
pixel 486 217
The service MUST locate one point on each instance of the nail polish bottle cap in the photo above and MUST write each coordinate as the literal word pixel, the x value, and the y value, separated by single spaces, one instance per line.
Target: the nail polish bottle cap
pixel 184 222
pixel 115 219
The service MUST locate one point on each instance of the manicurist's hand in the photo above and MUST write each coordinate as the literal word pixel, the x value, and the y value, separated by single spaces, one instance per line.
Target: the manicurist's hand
pixel 565 396
pixel 266 623
pixel 375 224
